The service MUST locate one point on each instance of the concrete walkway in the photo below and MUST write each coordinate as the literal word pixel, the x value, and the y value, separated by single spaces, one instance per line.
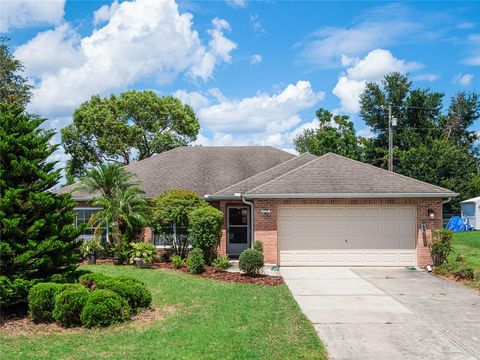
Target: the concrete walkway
pixel 388 313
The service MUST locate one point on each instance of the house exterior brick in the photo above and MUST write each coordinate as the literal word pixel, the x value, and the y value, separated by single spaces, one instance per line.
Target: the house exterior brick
pixel 265 225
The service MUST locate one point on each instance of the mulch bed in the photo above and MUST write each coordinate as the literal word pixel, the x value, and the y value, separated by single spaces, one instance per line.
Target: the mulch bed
pixel 211 273
pixel 22 325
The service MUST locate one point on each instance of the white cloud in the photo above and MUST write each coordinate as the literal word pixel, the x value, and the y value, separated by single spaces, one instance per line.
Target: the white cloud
pixel 256 59
pixel 472 60
pixel 51 50
pixel 463 79
pixel 104 13
pixel 143 38
pixel 25 13
pixel 257 24
pixel 365 132
pixel 372 67
pixel 379 28
pixel 194 99
pixel 263 119
pixel 237 3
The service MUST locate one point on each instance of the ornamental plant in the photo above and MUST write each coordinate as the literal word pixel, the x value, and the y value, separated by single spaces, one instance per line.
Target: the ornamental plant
pixel 441 246
pixel 251 261
pixel 205 230
pixel 38 239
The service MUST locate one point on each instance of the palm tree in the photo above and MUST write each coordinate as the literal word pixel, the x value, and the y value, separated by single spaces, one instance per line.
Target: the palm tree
pixel 106 179
pixel 123 213
pixel 123 209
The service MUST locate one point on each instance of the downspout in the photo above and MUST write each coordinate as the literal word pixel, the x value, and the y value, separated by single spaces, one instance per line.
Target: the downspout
pixel 446 201
pixel 252 236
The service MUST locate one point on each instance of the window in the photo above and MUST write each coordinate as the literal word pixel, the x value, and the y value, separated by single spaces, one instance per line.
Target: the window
pixel 165 236
pixel 83 217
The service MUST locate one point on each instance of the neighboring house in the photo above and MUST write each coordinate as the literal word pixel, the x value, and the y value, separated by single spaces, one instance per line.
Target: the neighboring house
pixel 471 212
pixel 307 210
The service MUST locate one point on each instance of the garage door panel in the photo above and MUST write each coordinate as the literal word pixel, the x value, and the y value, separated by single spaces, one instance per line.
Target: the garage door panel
pixel 375 235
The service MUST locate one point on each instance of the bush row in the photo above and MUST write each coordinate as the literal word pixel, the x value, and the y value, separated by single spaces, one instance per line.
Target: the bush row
pixel 96 301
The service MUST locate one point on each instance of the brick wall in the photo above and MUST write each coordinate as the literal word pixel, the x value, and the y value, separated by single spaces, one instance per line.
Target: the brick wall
pixel 266 224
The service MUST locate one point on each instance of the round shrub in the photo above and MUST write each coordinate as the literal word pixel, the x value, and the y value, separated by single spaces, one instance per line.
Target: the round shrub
pixel 205 229
pixel 177 262
pixel 137 294
pixel 250 261
pixel 91 280
pixel 104 308
pixel 195 261
pixel 221 263
pixel 128 279
pixel 69 305
pixel 41 301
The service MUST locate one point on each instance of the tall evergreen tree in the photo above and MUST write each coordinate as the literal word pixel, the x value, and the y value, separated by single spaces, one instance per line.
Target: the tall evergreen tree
pixel 37 233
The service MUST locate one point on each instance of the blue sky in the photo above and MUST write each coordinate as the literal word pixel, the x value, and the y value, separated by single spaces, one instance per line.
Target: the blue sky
pixel 255 72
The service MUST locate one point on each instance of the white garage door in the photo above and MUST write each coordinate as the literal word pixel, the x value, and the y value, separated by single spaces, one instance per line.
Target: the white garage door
pixel 347 235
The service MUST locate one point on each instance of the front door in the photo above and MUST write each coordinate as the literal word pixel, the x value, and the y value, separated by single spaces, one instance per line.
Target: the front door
pixel 238 230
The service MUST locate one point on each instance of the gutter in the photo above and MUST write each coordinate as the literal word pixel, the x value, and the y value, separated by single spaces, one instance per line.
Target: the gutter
pixel 349 195
pixel 236 196
pixel 252 232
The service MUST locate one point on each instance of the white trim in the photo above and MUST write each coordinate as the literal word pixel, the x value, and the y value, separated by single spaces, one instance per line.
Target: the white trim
pixel 347 195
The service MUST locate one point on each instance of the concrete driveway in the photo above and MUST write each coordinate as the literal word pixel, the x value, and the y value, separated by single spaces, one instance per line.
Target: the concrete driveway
pixel 387 313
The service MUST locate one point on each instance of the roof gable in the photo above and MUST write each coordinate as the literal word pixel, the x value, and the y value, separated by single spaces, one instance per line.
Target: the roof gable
pixel 335 174
pixel 267 175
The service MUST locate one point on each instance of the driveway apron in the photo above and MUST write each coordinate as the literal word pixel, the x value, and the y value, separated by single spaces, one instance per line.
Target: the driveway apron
pixel 387 313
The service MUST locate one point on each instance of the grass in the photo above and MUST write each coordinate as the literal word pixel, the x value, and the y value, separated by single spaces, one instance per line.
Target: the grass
pixel 213 320
pixel 467 244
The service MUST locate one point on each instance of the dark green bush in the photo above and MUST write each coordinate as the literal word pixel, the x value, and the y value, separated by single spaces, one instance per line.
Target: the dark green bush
pixel 41 301
pixel 91 280
pixel 221 263
pixel 137 294
pixel 165 256
pixel 250 261
pixel 196 261
pixel 177 262
pixel 258 245
pixel 128 279
pixel 69 305
pixel 441 246
pixel 104 308
pixel 205 229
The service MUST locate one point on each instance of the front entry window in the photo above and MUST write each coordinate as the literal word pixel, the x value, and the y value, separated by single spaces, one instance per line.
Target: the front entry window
pixel 238 230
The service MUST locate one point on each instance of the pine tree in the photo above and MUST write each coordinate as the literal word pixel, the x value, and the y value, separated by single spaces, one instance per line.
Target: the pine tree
pixel 37 233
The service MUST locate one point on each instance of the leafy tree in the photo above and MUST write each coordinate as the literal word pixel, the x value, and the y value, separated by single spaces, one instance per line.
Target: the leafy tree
pixel 37 235
pixel 14 87
pixel 428 145
pixel 126 128
pixel 334 134
pixel 418 112
pixel 171 212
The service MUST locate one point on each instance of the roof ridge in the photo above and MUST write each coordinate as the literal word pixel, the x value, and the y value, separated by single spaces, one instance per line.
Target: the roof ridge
pixel 264 171
pixel 287 173
pixel 390 172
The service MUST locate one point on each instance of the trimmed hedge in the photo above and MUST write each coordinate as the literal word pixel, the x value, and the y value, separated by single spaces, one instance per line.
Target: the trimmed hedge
pixel 196 261
pixel 69 305
pixel 250 261
pixel 136 293
pixel 41 301
pixel 104 308
pixel 91 280
pixel 205 229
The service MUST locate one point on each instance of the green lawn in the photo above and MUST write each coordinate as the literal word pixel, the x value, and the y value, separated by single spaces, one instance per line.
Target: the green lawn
pixel 212 320
pixel 467 244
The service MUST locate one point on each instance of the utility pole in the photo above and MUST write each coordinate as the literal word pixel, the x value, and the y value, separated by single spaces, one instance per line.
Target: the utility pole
pixel 390 139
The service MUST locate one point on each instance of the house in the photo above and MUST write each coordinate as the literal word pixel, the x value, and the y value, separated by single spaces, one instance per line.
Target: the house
pixel 307 210
pixel 471 212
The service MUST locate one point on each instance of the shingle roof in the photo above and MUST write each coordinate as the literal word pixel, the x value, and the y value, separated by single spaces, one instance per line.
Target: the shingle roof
pixel 203 169
pixel 335 174
pixel 267 175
